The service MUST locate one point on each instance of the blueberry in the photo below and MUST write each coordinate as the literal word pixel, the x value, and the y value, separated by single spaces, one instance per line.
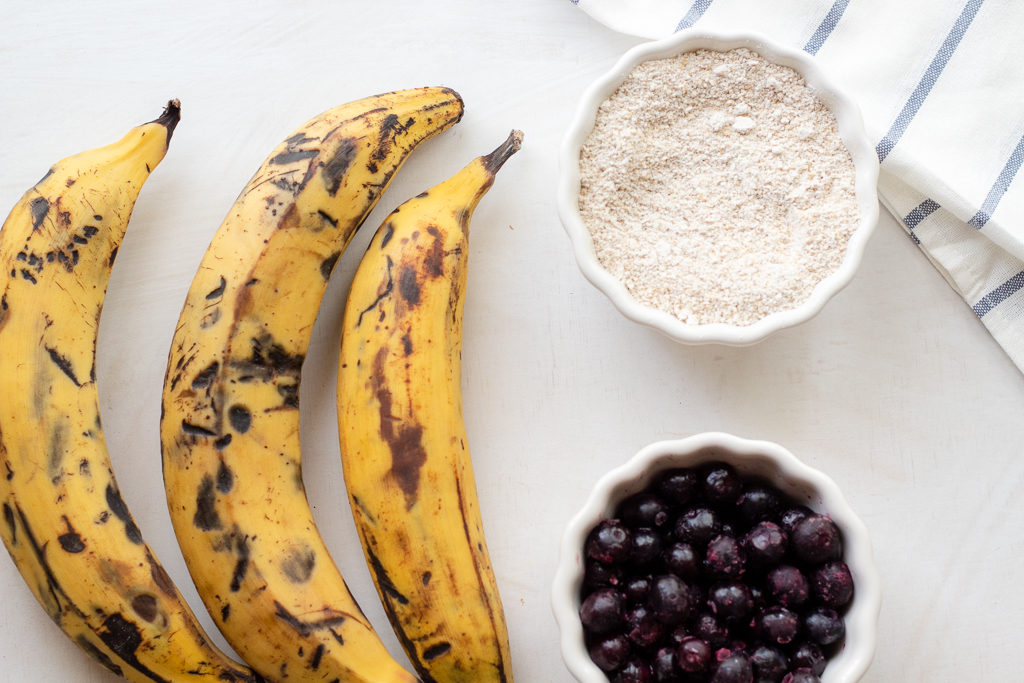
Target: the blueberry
pixel 792 516
pixel 731 602
pixel 758 503
pixel 646 547
pixel 599 575
pixel 669 598
pixel 682 560
pixel 801 676
pixel 642 629
pixel 636 588
pixel 725 558
pixel 678 486
pixel 808 656
pixel 765 544
pixel 787 586
pixel 779 624
pixel 697 526
pixel 769 664
pixel 824 626
pixel 609 542
pixel 644 509
pixel 603 611
pixel 664 666
pixel 833 584
pixel 693 655
pixel 711 630
pixel 611 652
pixel 634 671
pixel 816 539
pixel 721 484
pixel 735 668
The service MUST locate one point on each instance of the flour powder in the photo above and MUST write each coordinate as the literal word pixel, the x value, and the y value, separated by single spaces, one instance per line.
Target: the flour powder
pixel 716 187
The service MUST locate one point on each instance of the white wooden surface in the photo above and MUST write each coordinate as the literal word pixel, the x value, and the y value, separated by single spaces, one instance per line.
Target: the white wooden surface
pixel 895 390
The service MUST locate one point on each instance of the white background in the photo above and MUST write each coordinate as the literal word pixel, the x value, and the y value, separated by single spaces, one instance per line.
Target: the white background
pixel 895 390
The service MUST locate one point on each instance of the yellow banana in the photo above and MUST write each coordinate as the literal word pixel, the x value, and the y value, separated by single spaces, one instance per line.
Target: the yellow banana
pixel 230 424
pixel 406 462
pixel 65 523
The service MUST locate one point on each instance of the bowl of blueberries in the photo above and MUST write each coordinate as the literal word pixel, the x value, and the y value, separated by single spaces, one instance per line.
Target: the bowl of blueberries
pixel 716 558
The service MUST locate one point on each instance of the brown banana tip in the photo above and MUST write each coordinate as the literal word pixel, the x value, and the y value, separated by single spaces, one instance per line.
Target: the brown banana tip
pixel 495 160
pixel 169 119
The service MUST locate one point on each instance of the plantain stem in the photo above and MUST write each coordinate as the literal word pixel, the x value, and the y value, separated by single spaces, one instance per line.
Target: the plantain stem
pixel 493 161
pixel 170 117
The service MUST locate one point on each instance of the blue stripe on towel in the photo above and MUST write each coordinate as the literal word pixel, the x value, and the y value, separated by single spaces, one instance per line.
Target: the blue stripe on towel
pixel 931 75
pixel 920 212
pixel 697 10
pixel 999 188
pixel 999 295
pixel 826 27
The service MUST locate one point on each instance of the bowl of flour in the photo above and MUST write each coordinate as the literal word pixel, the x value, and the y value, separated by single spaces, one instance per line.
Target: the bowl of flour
pixel 717 188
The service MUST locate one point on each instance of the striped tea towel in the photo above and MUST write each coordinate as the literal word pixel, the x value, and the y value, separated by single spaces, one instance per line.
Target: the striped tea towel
pixel 941 87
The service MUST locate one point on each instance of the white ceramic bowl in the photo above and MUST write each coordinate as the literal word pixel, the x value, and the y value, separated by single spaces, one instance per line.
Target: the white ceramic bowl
pixel 757 458
pixel 851 129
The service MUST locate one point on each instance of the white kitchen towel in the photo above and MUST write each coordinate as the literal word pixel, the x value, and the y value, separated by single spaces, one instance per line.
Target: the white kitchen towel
pixel 941 87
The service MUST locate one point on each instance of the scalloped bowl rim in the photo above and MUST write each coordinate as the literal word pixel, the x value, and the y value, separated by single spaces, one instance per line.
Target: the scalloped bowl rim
pixel 764 458
pixel 851 129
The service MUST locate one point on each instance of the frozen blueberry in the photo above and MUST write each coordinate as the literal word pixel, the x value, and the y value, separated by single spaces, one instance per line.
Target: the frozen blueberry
pixel 611 652
pixel 736 668
pixel 731 602
pixel 787 586
pixel 646 547
pixel 758 503
pixel 663 666
pixel 669 598
pixel 808 656
pixel 693 655
pixel 780 625
pixel 603 611
pixel 642 629
pixel 635 670
pixel 792 516
pixel 636 588
pixel 816 539
pixel 765 544
pixel 678 486
pixel 801 676
pixel 711 630
pixel 644 509
pixel 721 484
pixel 682 560
pixel 609 542
pixel 697 526
pixel 833 584
pixel 769 664
pixel 725 558
pixel 824 626
pixel 599 575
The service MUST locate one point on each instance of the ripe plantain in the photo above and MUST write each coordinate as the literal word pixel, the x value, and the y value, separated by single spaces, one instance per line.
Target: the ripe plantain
pixel 230 423
pixel 406 463
pixel 65 523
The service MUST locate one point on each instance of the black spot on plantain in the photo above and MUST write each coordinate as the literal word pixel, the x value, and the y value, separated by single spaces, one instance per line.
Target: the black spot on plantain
pixel 293 156
pixel 408 287
pixel 99 655
pixel 328 217
pixel 144 605
pixel 12 524
pixel 206 517
pixel 240 418
pixel 225 477
pixel 298 566
pixel 124 639
pixel 28 276
pixel 318 654
pixel 113 255
pixel 334 170
pixel 241 563
pixel 390 127
pixel 433 263
pixel 327 265
pixel 160 577
pixel 204 379
pixel 384 582
pixel 223 442
pixel 217 291
pixel 90 230
pixel 389 232
pixel 70 541
pixel 289 394
pixel 426 578
pixel 39 207
pixel 304 628
pixel 196 430
pixel 225 612
pixel 403 437
pixel 407 344
pixel 435 651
